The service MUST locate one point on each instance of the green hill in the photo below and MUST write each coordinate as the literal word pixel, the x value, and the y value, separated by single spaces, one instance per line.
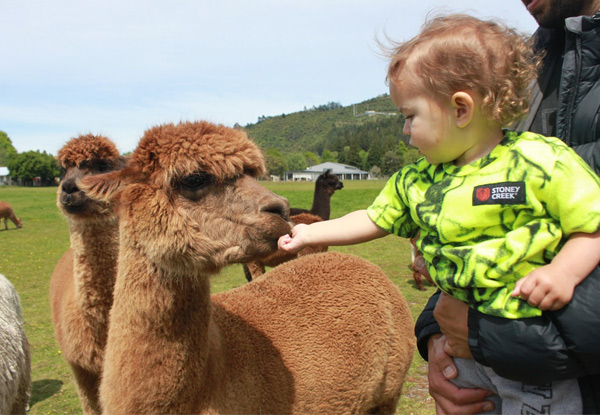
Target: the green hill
pixel 365 135
pixel 315 129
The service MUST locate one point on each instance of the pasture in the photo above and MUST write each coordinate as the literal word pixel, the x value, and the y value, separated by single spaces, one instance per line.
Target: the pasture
pixel 30 254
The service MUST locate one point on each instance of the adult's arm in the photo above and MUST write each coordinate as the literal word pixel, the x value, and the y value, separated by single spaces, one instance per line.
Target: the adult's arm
pixel 449 399
pixel 560 344
pixel 426 325
pixel 590 152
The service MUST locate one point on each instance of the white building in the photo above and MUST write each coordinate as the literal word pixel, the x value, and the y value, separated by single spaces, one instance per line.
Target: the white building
pixel 343 171
pixel 4 176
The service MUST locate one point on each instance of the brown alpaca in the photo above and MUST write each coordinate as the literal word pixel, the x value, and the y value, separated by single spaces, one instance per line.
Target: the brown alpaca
pixel 326 333
pixel 256 268
pixel 82 284
pixel 325 187
pixel 6 213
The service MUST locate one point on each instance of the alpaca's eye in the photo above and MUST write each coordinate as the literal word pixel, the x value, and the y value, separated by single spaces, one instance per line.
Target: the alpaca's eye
pixel 103 166
pixel 196 181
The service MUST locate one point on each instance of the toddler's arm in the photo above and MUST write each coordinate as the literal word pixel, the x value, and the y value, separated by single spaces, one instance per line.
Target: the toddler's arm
pixel 353 228
pixel 551 287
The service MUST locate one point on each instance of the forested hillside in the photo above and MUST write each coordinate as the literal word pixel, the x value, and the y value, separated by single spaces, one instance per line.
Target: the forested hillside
pixel 367 135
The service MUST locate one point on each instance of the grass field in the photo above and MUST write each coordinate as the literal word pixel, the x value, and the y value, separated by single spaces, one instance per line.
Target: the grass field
pixel 30 254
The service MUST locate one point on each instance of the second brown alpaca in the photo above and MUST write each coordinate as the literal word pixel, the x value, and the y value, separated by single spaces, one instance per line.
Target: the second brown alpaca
pixel 82 284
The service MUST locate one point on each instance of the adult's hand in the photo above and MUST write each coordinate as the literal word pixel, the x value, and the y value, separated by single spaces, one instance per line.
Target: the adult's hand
pixel 452 315
pixel 450 399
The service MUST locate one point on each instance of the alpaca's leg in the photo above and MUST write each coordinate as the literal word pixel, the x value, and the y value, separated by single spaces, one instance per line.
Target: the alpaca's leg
pixel 87 387
pixel 253 270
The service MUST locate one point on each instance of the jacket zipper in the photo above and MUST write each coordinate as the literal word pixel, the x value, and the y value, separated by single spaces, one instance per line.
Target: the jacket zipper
pixel 573 94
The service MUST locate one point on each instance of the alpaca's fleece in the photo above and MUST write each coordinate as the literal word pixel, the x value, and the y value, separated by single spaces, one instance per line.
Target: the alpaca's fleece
pixel 178 150
pixel 86 147
pixel 15 360
pixel 327 333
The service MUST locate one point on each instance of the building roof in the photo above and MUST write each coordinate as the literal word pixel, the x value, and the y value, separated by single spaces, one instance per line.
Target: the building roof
pixel 336 168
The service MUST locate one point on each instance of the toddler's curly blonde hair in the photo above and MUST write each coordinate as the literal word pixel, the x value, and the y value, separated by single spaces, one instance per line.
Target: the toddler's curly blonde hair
pixel 460 52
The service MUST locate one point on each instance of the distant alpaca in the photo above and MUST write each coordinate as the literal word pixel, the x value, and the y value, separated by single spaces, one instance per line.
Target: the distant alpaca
pixel 6 213
pixel 328 335
pixel 15 359
pixel 256 268
pixel 82 284
pixel 418 265
pixel 325 187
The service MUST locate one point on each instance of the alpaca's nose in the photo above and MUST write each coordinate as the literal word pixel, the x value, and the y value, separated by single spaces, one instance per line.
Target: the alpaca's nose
pixel 69 186
pixel 278 206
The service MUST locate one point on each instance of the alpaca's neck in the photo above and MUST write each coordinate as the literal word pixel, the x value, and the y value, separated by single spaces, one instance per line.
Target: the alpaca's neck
pixel 95 248
pixel 321 203
pixel 169 317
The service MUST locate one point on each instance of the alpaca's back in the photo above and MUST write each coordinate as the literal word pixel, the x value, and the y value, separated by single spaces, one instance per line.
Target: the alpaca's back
pixel 331 334
pixel 15 360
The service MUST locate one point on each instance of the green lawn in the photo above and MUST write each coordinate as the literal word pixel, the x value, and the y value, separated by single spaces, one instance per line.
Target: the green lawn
pixel 29 255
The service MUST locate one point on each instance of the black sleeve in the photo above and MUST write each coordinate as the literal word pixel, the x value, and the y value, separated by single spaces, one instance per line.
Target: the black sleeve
pixel 590 152
pixel 427 325
pixel 560 344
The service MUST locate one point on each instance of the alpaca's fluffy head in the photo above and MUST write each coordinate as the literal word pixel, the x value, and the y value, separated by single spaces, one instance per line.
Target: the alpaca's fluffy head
pixel 175 151
pixel 188 200
pixel 83 156
pixel 85 148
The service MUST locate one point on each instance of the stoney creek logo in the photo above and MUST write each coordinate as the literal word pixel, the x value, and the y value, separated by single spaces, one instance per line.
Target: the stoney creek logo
pixel 507 193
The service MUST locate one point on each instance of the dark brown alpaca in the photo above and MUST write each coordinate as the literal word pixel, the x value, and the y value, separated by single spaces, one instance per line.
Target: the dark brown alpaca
pixel 6 213
pixel 330 335
pixel 325 187
pixel 82 284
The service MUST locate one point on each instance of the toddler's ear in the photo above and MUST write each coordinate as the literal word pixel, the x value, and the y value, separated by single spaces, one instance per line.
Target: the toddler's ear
pixel 464 106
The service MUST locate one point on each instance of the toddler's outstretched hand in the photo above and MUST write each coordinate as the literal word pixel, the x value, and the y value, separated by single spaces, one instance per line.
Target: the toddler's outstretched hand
pixel 293 244
pixel 545 288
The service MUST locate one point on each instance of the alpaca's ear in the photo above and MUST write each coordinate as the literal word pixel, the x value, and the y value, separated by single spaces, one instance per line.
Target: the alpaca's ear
pixel 106 187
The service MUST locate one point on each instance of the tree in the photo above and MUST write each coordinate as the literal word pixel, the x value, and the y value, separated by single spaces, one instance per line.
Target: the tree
pixel 364 164
pixel 26 166
pixel 296 161
pixel 375 171
pixel 329 156
pixel 276 163
pixel 391 162
pixel 7 149
pixel 311 158
pixel 353 157
pixel 375 153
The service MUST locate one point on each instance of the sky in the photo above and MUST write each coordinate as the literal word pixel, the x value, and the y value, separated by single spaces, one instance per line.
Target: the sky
pixel 119 67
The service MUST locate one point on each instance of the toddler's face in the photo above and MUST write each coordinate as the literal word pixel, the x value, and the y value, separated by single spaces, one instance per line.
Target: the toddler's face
pixel 428 123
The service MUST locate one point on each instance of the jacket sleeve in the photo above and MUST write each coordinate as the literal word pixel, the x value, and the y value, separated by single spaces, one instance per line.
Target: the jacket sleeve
pixel 560 344
pixel 426 325
pixel 590 153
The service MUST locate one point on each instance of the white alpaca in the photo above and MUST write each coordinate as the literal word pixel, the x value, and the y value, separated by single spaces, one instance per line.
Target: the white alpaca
pixel 15 360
